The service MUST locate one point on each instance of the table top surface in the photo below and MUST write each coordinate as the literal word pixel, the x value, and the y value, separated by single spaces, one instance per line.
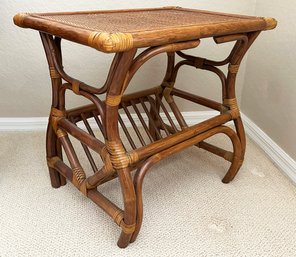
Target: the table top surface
pixel 121 30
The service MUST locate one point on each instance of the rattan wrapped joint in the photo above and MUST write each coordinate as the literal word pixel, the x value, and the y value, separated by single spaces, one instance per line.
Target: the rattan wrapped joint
pixel 111 42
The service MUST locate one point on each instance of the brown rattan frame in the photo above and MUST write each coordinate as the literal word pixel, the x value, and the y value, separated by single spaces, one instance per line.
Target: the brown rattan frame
pixel 163 138
pixel 111 39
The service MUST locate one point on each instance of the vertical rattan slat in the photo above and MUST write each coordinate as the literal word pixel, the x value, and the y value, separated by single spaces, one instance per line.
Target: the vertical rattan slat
pixel 127 134
pixel 142 120
pixel 152 124
pixel 138 133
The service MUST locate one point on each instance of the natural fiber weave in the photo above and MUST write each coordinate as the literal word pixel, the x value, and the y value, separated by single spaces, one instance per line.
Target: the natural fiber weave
pixel 138 21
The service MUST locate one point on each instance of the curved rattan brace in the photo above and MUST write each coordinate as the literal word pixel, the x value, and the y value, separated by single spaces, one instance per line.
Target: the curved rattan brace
pixel 230 38
pixel 52 51
pixel 153 51
pixel 76 86
pixel 199 62
pixel 240 38
pixel 93 98
pixel 141 172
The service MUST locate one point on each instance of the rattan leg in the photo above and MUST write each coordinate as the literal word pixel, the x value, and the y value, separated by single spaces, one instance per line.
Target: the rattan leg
pixel 129 217
pixel 241 134
pixel 138 184
pixel 53 147
pixel 52 150
pixel 229 102
pixel 235 58
pixel 236 159
pixel 118 156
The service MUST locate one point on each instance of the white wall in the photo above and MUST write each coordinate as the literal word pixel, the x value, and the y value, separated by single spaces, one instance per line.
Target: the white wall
pixel 269 92
pixel 24 80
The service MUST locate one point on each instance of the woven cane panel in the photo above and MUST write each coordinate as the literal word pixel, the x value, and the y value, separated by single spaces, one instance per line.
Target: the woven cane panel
pixel 140 20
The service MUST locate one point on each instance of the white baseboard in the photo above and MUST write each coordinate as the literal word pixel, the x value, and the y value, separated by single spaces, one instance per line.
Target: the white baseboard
pixel 40 123
pixel 23 124
pixel 277 155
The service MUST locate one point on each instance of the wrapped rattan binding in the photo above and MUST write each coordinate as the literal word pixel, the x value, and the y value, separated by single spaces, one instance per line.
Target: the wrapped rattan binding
pixel 55 116
pixel 78 175
pixel 19 19
pixel 111 42
pixel 54 73
pixel 233 68
pixel 113 100
pixel 271 23
pixel 233 106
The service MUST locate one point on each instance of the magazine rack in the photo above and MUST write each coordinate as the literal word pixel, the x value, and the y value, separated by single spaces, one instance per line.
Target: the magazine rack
pixel 169 30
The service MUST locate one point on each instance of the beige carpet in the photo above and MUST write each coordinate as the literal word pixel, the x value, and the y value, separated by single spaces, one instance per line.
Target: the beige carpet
pixel 187 210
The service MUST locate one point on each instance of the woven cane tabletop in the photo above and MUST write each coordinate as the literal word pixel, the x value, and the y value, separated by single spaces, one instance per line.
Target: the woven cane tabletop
pixel 120 30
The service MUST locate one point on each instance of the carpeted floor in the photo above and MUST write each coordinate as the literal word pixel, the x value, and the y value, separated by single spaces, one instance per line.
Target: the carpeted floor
pixel 187 210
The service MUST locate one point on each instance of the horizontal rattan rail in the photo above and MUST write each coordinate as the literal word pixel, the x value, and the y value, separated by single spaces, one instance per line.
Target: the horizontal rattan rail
pixel 157 128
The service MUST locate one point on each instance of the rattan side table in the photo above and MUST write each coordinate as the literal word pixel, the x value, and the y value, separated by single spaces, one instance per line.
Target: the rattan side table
pixel 168 30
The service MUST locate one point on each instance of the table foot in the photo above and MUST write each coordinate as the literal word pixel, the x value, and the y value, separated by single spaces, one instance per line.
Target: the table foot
pixel 124 240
